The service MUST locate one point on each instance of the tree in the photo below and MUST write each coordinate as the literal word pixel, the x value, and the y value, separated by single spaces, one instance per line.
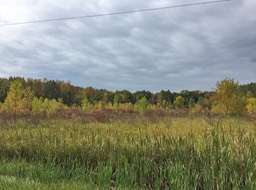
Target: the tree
pixel 37 88
pixel 101 105
pixel 142 105
pixel 46 106
pixel 249 94
pixel 186 96
pixel 37 106
pixel 125 96
pixel 140 94
pixel 4 88
pixel 226 99
pixel 86 104
pixel 159 100
pixel 179 102
pixel 163 99
pixel 116 100
pixel 191 103
pixel 107 97
pixel 90 94
pixel 18 100
pixel 51 89
pixel 67 92
pixel 251 105
pixel 78 96
pixel 248 87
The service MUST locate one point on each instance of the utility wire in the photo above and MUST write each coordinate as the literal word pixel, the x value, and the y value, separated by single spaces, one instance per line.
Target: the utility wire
pixel 111 14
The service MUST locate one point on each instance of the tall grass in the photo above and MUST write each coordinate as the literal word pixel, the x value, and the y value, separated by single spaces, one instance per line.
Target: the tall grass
pixel 168 153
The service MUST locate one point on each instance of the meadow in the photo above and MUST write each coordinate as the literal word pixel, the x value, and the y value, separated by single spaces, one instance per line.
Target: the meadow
pixel 128 151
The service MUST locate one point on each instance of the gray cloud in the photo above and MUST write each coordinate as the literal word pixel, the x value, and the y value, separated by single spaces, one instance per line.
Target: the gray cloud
pixel 176 49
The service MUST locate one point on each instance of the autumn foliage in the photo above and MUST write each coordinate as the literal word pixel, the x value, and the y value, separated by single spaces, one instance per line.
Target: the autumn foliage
pixel 227 99
pixel 46 97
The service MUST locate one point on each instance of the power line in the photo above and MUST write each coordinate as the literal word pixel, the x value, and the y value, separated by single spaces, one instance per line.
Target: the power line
pixel 112 14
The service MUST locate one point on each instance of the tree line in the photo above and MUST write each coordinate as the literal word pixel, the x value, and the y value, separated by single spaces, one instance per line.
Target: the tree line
pixel 35 95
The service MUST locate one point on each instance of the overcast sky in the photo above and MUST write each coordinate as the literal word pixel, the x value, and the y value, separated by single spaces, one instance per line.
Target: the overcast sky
pixel 176 49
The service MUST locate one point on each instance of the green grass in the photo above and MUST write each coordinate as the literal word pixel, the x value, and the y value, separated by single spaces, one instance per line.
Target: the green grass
pixel 137 153
pixel 19 174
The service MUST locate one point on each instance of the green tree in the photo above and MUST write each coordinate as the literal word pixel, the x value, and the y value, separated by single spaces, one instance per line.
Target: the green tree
pixel 179 102
pixel 101 105
pixel 200 100
pixel 116 100
pixel 86 104
pixel 37 106
pixel 51 89
pixel 66 92
pixel 191 103
pixel 4 88
pixel 142 105
pixel 140 94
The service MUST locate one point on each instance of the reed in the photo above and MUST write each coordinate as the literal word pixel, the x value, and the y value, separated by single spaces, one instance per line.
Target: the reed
pixel 170 153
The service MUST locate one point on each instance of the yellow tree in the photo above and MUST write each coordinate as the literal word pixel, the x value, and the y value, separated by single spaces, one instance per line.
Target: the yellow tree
pixel 18 100
pixel 251 105
pixel 226 99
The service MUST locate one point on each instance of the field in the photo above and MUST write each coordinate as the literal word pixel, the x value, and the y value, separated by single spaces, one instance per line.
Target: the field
pixel 128 151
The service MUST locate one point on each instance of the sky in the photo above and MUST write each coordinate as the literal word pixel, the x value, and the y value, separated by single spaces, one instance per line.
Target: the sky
pixel 188 48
